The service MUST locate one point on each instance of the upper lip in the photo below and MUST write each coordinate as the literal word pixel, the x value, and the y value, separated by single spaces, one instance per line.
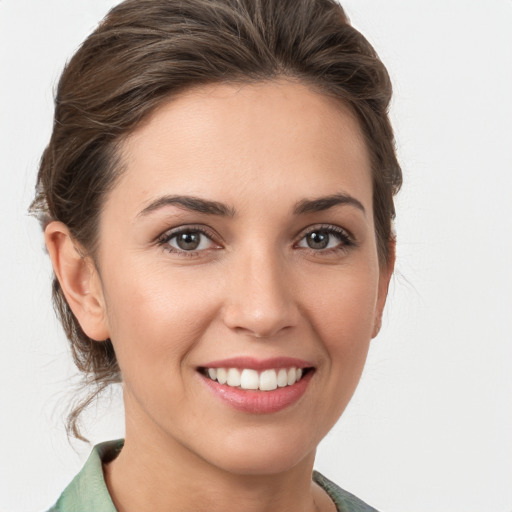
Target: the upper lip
pixel 258 364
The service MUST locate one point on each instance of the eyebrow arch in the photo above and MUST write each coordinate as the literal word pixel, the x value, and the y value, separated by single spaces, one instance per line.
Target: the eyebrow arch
pixel 324 203
pixel 195 204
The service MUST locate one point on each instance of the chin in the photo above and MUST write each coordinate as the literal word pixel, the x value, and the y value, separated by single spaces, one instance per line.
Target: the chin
pixel 262 451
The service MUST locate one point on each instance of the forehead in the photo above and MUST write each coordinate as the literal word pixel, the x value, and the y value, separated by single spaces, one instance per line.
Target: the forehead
pixel 270 139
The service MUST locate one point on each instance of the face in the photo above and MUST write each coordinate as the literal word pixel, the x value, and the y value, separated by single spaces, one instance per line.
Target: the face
pixel 239 244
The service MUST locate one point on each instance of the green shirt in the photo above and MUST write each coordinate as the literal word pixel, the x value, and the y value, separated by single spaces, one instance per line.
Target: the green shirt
pixel 88 492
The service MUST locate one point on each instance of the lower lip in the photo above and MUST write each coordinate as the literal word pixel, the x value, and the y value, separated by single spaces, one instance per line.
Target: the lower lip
pixel 259 402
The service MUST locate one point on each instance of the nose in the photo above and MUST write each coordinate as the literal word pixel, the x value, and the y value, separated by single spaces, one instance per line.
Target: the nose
pixel 260 300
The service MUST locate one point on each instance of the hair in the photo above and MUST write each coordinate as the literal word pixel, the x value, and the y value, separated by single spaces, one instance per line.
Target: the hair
pixel 147 51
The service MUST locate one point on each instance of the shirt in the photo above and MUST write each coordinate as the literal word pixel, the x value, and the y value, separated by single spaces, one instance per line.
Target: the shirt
pixel 88 492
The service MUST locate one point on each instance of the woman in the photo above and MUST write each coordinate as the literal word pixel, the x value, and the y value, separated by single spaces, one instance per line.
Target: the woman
pixel 217 200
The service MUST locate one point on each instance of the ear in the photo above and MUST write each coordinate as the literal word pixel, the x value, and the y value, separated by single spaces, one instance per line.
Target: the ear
pixel 384 277
pixel 79 281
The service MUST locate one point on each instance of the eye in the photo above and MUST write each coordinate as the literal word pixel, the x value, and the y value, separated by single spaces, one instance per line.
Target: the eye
pixel 325 238
pixel 187 240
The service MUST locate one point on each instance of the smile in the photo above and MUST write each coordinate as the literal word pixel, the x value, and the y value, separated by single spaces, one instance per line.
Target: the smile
pixel 250 379
pixel 258 386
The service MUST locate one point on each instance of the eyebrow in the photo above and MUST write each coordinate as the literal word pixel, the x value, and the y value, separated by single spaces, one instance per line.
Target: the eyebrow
pixel 324 203
pixel 195 204
pixel 209 207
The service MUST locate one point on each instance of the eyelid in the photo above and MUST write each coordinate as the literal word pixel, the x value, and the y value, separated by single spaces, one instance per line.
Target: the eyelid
pixel 346 238
pixel 163 239
pixel 345 241
pixel 332 228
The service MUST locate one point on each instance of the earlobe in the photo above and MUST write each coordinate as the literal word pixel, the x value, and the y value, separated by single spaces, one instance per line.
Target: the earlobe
pixel 384 278
pixel 78 279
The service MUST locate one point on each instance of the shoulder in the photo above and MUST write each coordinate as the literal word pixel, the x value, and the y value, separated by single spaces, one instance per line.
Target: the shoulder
pixel 344 501
pixel 88 492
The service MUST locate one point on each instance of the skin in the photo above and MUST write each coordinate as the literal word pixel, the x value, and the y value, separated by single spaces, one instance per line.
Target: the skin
pixel 254 288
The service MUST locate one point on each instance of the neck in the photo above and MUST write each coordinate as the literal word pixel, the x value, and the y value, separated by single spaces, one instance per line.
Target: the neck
pixel 155 473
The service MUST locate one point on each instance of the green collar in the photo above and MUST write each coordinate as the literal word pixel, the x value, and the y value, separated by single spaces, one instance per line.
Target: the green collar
pixel 88 491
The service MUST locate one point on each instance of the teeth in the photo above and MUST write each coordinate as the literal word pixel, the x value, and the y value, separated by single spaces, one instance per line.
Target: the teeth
pixel 233 378
pixel 249 379
pixel 221 375
pixel 267 380
pixel 282 378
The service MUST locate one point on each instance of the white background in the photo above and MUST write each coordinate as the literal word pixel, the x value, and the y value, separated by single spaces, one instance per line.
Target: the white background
pixel 430 427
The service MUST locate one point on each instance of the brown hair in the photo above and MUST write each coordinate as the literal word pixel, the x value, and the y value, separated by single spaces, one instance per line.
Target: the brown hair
pixel 146 51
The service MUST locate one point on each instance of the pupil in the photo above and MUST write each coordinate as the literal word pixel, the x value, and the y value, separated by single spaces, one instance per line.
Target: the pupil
pixel 188 241
pixel 318 240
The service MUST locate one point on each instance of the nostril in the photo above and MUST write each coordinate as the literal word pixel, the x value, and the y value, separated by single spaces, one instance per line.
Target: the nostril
pixel 260 332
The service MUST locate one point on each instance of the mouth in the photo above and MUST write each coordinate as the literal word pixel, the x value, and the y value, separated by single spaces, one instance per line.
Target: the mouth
pixel 258 387
pixel 251 379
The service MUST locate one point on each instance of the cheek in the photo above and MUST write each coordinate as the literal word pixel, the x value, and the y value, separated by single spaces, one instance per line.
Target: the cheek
pixel 155 319
pixel 343 313
pixel 341 308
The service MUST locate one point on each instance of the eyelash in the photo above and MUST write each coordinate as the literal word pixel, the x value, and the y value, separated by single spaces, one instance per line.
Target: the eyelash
pixel 346 239
pixel 165 238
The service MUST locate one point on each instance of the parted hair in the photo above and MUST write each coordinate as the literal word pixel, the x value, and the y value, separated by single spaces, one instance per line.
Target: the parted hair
pixel 145 52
